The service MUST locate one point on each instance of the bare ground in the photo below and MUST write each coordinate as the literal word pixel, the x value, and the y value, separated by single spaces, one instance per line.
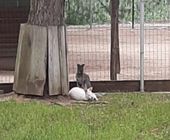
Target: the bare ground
pixel 52 100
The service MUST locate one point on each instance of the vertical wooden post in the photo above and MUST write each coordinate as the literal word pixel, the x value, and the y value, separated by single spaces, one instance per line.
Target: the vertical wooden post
pixel 30 67
pixel 57 62
pixel 115 60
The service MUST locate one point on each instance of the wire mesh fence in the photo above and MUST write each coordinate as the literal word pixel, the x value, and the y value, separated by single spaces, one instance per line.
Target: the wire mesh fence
pixel 157 24
pixel 157 52
pixel 157 41
pixel 89 39
pixel 90 47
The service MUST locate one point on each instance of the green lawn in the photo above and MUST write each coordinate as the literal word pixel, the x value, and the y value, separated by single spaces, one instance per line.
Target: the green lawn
pixel 127 117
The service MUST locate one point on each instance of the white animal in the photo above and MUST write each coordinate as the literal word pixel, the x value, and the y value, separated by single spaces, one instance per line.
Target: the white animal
pixel 79 94
pixel 91 95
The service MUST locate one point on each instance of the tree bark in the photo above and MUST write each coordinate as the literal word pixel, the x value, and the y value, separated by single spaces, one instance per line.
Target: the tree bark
pixel 46 12
pixel 115 58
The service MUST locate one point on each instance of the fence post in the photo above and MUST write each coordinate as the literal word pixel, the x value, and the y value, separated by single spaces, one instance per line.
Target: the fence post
pixel 91 14
pixel 168 11
pixel 133 14
pixel 141 45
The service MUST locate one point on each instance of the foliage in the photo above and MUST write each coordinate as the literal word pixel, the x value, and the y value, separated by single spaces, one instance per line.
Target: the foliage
pixel 157 10
pixel 78 11
pixel 127 116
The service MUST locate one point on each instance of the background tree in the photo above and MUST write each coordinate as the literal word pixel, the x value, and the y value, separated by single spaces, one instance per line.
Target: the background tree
pixel 115 56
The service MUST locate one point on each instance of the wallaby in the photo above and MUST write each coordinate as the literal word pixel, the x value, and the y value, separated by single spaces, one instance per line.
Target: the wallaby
pixel 79 94
pixel 83 80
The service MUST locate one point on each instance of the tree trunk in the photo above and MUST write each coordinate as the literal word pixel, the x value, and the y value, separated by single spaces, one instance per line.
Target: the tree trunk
pixel 41 63
pixel 46 12
pixel 115 58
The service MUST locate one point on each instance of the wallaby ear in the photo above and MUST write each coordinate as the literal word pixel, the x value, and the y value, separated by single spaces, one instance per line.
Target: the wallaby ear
pixel 91 88
pixel 83 65
pixel 78 64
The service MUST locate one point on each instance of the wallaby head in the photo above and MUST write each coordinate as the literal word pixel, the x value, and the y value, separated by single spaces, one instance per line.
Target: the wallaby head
pixel 80 68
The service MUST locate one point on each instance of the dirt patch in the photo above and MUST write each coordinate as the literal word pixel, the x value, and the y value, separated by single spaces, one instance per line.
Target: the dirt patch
pixel 54 100
pixel 60 100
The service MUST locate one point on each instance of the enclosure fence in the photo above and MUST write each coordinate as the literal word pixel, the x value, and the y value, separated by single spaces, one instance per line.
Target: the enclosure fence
pixel 91 46
pixel 89 39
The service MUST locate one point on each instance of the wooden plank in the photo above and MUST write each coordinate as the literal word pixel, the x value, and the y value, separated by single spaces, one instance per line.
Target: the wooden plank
pixel 63 60
pixel 30 68
pixel 157 85
pixel 128 86
pixel 116 86
pixel 58 73
pixel 112 86
pixel 54 62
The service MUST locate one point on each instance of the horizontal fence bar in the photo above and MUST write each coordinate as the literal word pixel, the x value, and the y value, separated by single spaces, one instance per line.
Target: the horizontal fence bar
pixel 115 86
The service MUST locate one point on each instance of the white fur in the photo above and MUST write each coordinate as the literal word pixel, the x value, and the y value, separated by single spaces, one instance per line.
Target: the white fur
pixel 79 94
pixel 91 95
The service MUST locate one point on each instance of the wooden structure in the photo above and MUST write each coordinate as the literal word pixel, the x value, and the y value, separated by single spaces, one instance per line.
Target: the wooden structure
pixel 10 19
pixel 36 46
pixel 42 57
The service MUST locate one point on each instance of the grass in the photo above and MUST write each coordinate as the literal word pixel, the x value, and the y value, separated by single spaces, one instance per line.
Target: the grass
pixel 126 117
